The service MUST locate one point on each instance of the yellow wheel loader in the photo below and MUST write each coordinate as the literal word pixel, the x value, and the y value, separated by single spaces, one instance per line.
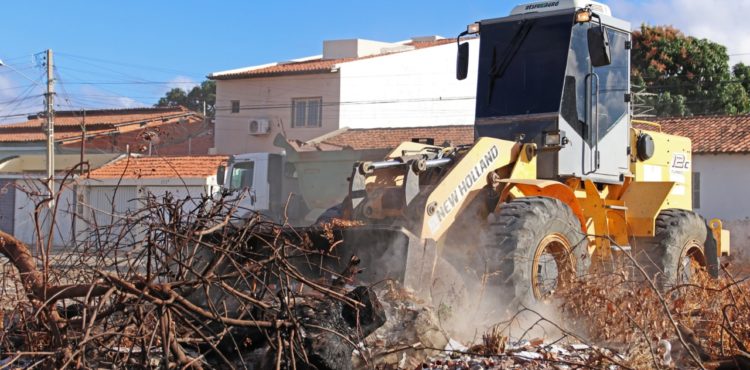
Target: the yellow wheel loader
pixel 560 179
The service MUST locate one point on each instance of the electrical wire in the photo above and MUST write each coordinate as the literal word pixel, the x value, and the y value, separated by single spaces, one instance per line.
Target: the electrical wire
pixel 131 65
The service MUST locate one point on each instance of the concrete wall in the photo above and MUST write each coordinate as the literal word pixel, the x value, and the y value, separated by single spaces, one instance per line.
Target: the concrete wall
pixel 27 196
pixel 724 179
pixel 7 204
pixel 415 88
pixel 271 98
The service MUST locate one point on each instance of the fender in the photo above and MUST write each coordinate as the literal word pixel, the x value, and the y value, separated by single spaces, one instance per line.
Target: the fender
pixel 544 188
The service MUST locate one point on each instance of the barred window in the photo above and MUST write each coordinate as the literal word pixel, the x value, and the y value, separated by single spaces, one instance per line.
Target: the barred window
pixel 307 112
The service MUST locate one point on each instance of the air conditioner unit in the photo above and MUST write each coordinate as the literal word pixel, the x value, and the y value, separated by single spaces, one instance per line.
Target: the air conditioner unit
pixel 259 126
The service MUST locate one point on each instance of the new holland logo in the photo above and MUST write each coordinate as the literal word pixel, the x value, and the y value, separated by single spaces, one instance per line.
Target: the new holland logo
pixel 458 194
pixel 548 4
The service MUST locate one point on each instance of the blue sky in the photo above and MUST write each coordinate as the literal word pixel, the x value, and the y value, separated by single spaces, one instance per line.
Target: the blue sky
pixel 143 48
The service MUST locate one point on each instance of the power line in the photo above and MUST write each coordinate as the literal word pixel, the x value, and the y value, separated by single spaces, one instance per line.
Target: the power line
pixel 18 115
pixel 131 65
pixel 355 102
pixel 131 83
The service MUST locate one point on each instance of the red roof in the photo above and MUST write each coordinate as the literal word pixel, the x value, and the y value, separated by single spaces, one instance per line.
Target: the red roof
pixel 712 134
pixel 97 122
pixel 709 134
pixel 318 65
pixel 133 167
pixel 378 138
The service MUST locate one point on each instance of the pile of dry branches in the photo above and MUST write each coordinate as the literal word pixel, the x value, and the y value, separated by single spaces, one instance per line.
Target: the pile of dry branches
pixel 704 323
pixel 181 283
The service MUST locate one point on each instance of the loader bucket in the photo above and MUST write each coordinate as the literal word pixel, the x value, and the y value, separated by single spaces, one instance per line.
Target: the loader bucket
pixel 382 250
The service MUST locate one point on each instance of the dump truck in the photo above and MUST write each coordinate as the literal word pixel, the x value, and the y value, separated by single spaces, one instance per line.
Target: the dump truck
pixel 559 182
pixel 296 185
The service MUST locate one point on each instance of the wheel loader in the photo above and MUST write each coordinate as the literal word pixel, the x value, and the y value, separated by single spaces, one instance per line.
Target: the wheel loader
pixel 559 182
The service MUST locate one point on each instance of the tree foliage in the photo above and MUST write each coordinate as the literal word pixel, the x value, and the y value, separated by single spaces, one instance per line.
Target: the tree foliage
pixel 687 74
pixel 193 100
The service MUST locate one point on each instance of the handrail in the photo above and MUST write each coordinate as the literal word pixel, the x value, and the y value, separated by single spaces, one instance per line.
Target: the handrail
pixel 647 123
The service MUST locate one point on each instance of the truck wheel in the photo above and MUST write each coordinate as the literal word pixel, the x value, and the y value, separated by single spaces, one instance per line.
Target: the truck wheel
pixel 534 246
pixel 681 244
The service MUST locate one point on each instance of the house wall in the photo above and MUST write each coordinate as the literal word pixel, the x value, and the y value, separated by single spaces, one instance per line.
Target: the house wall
pixel 271 98
pixel 25 223
pixel 415 88
pixel 104 204
pixel 723 184
pixel 7 204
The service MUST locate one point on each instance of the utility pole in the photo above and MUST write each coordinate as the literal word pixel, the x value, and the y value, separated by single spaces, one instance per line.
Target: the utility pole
pixel 50 130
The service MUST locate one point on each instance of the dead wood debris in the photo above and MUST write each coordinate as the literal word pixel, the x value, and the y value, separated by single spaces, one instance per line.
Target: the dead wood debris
pixel 156 290
pixel 168 288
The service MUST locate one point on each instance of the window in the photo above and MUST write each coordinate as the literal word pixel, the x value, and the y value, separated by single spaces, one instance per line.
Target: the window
pixel 696 190
pixel 235 106
pixel 307 112
pixel 242 175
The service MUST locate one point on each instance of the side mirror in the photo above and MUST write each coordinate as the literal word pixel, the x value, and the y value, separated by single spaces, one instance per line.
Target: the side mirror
pixel 220 172
pixel 599 47
pixel 462 61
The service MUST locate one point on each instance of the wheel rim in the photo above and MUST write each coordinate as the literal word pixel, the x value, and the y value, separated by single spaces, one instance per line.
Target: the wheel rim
pixel 553 265
pixel 690 261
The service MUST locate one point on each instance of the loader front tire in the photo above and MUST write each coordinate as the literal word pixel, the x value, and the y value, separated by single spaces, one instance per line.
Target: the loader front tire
pixel 526 242
pixel 682 243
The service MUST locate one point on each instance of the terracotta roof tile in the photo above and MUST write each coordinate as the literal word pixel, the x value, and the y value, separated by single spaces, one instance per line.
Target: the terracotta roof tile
pixel 709 134
pixel 318 65
pixel 68 123
pixel 378 138
pixel 160 167
pixel 712 134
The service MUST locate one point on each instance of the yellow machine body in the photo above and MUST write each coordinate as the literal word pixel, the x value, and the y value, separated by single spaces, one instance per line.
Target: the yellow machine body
pixel 614 212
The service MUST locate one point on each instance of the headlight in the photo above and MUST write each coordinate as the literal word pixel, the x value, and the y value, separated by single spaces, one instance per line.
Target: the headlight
pixel 583 15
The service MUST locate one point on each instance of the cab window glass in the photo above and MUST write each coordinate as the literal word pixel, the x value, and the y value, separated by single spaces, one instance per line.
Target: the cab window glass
pixel 242 175
pixel 613 83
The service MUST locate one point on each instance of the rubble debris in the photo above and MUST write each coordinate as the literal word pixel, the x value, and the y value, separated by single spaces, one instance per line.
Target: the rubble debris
pixel 411 333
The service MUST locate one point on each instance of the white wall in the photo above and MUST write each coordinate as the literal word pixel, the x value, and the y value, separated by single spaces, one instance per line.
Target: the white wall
pixel 405 89
pixel 28 193
pixel 724 179
pixel 412 88
pixel 723 193
pixel 271 98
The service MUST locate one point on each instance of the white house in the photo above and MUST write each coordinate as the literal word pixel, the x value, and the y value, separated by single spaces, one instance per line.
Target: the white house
pixel 354 83
pixel 115 187
pixel 721 170
pixel 119 188
pixel 22 187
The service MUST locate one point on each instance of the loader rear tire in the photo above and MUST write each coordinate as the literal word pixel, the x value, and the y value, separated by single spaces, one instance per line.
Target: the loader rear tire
pixel 522 238
pixel 681 244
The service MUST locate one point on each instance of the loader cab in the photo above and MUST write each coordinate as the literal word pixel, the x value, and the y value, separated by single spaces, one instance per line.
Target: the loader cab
pixel 556 73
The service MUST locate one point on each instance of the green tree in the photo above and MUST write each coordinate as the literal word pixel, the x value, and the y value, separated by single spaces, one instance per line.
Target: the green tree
pixel 741 73
pixel 193 100
pixel 173 98
pixel 687 74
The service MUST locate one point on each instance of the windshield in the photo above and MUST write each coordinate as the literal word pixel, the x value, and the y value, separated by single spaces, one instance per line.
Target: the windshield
pixel 612 82
pixel 242 175
pixel 522 66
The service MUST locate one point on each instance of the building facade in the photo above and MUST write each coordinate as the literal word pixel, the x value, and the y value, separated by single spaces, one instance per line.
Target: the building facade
pixel 356 84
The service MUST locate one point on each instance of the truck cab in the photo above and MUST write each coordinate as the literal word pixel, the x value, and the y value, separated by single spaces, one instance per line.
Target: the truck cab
pixel 261 176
